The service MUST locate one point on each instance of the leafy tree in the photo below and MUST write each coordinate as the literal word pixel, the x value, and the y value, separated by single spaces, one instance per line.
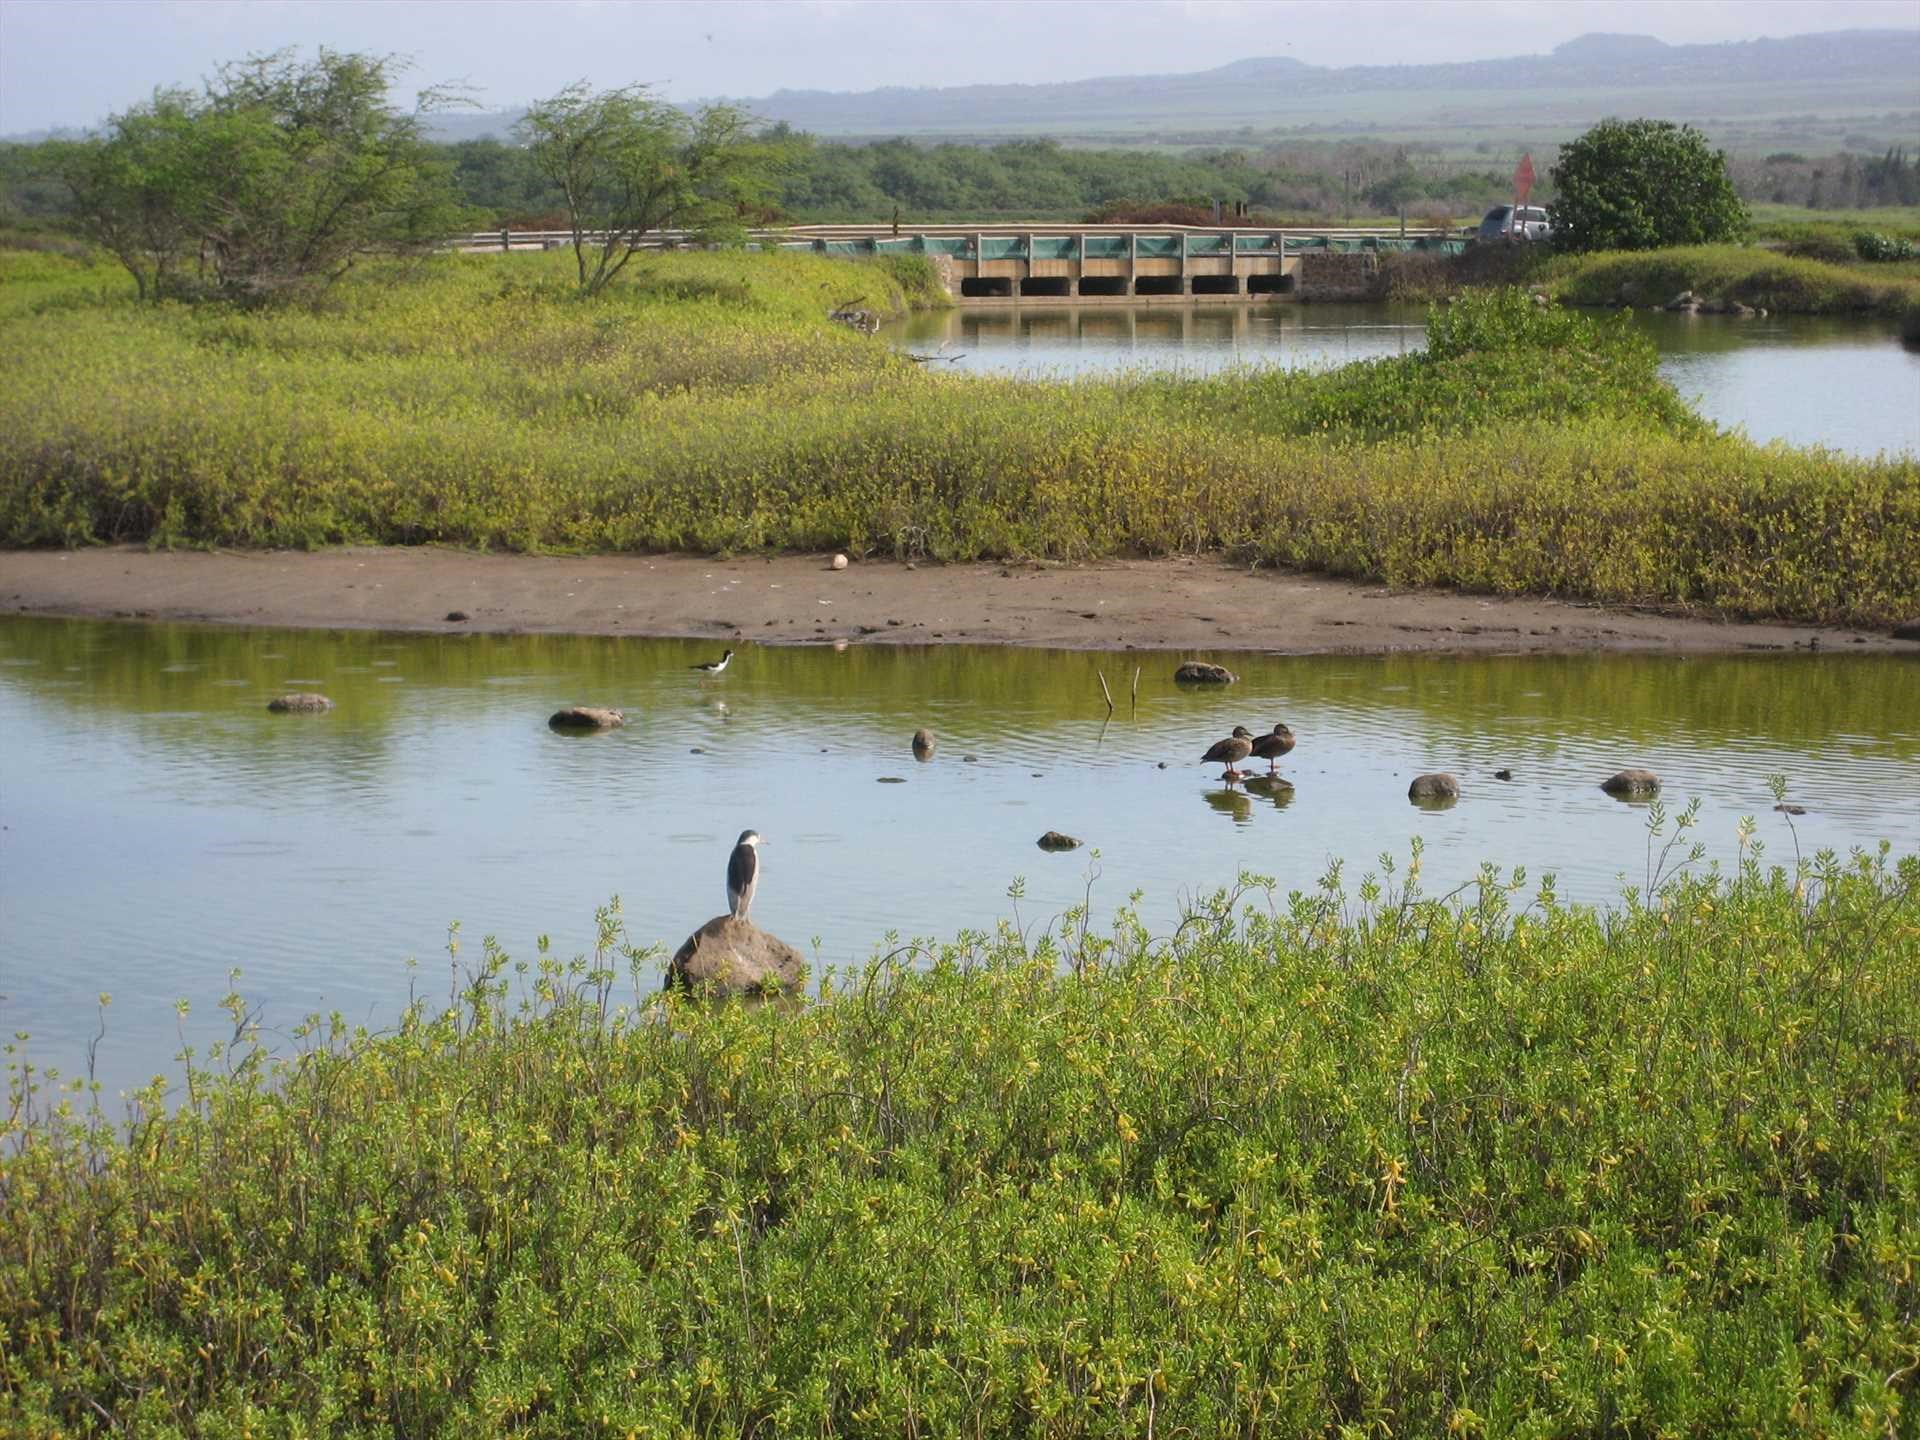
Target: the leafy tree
pixel 139 192
pixel 1641 185
pixel 276 177
pixel 628 165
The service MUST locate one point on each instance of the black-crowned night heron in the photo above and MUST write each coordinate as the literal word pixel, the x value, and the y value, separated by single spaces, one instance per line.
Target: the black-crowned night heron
pixel 1230 752
pixel 743 873
pixel 714 667
pixel 1271 747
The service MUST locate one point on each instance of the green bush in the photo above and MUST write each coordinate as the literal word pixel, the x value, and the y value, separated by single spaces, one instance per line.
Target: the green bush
pixel 1877 245
pixel 1643 185
pixel 1326 1163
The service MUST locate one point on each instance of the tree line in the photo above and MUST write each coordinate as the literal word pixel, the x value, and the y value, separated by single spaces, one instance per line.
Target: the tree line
pixel 279 173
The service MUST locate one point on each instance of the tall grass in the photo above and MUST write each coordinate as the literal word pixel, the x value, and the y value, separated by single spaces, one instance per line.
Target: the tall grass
pixel 1327 1163
pixel 710 406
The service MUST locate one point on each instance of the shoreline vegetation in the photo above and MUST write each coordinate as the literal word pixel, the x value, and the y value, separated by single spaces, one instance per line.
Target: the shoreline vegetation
pixel 708 406
pixel 1352 1159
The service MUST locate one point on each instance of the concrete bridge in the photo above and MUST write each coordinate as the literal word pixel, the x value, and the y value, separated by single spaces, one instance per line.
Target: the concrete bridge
pixel 1091 264
pixel 1130 264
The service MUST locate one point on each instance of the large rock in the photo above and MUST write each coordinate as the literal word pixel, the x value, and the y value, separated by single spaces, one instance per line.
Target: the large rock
pixel 923 744
pixel 1437 786
pixel 301 702
pixel 586 717
pixel 731 956
pixel 1200 672
pixel 1055 840
pixel 1632 782
pixel 1907 630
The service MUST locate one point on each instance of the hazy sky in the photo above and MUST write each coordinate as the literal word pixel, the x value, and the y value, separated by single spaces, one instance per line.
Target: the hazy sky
pixel 71 62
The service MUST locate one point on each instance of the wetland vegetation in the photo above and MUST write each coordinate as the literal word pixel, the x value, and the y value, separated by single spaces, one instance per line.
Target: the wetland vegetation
pixel 1358 1162
pixel 708 405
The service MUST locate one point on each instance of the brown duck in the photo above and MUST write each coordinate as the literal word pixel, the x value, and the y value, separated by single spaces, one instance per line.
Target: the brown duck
pixel 1230 752
pixel 1271 747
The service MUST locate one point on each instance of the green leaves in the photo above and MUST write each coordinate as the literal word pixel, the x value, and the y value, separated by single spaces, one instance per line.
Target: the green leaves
pixel 629 165
pixel 1314 1163
pixel 274 180
pixel 1640 185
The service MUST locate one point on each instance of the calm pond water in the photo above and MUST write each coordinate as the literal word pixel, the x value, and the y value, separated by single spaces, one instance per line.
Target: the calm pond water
pixel 1810 380
pixel 161 828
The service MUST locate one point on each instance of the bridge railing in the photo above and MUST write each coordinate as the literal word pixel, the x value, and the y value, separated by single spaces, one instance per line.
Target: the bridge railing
pixel 1002 242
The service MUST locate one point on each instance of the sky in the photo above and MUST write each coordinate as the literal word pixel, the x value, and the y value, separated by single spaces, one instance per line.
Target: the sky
pixel 73 62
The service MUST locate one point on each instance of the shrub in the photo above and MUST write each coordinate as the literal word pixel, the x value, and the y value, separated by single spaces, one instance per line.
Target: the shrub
pixel 1877 245
pixel 1324 1163
pixel 1642 185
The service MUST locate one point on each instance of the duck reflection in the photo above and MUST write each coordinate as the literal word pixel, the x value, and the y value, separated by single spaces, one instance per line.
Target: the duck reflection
pixel 1236 805
pixel 1271 788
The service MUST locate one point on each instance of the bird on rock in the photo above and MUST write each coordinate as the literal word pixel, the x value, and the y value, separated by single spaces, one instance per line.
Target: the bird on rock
pixel 743 873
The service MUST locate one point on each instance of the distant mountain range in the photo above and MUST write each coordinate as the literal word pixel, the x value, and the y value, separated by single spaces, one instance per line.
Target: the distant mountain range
pixel 1816 90
pixel 1842 89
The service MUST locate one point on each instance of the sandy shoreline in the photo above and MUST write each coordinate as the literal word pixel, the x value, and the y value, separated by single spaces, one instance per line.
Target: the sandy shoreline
pixel 1173 604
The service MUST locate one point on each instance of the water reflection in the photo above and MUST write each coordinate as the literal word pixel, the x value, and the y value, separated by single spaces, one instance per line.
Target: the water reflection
pixel 1839 381
pixel 1236 805
pixel 161 827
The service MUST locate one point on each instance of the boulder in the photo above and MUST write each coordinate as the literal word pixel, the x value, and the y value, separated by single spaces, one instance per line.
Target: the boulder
pixel 586 717
pixel 731 956
pixel 1200 672
pixel 839 562
pixel 1437 786
pixel 1054 840
pixel 923 744
pixel 1632 782
pixel 1786 809
pixel 301 702
pixel 1685 300
pixel 1907 630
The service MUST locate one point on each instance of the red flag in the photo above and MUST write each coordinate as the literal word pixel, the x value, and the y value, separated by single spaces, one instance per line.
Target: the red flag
pixel 1522 180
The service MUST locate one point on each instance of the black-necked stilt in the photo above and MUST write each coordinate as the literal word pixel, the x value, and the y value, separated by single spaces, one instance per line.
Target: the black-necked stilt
pixel 1271 747
pixel 1230 752
pixel 743 872
pixel 714 667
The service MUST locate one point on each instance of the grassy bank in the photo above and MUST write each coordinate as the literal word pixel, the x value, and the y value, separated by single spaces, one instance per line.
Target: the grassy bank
pixel 709 406
pixel 1366 1166
pixel 1796 284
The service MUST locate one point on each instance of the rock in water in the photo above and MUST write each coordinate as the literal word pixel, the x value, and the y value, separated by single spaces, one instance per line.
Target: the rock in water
pixel 1437 786
pixel 301 702
pixel 586 717
pixel 729 956
pixel 923 744
pixel 1054 840
pixel 1200 672
pixel 1632 782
